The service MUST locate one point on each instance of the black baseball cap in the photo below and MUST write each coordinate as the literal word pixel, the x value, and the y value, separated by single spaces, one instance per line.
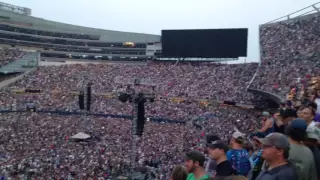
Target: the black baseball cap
pixel 288 113
pixel 195 156
pixel 211 138
pixel 214 142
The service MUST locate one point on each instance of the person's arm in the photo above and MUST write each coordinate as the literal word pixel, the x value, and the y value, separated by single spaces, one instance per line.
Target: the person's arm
pixel 266 125
pixel 229 155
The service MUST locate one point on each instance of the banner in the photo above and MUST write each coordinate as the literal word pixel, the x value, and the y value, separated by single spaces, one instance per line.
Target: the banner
pixel 177 100
pixel 18 91
pixel 32 91
pixel 75 93
pixel 108 95
pixel 204 102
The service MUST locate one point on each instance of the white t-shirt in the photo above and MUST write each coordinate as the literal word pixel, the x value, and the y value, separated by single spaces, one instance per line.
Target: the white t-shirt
pixel 312 124
pixel 317 101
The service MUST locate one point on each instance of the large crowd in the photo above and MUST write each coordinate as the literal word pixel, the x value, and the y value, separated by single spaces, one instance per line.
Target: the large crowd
pixel 57 84
pixel 170 80
pixel 239 141
pixel 9 55
pixel 40 145
pixel 290 52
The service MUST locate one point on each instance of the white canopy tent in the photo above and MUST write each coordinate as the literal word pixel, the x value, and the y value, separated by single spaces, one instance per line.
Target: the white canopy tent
pixel 80 136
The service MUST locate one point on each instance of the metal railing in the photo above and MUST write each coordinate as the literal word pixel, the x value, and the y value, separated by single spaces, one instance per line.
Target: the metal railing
pixel 15 9
pixel 302 12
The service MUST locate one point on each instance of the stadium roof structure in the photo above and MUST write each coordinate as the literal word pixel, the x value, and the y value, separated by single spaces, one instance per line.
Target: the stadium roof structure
pixel 15 9
pixel 36 23
pixel 314 8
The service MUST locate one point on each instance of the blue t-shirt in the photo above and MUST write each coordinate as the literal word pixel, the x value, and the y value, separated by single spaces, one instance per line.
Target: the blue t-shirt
pixel 239 158
pixel 256 157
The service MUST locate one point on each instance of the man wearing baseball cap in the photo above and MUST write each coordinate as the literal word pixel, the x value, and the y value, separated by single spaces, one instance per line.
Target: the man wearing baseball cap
pixel 217 151
pixel 300 156
pixel 211 165
pixel 268 123
pixel 238 156
pixel 194 164
pixel 285 117
pixel 275 152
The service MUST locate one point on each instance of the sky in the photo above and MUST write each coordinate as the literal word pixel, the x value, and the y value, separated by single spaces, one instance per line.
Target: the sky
pixel 151 16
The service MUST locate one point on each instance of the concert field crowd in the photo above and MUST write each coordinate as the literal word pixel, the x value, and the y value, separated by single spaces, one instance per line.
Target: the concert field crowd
pixel 212 141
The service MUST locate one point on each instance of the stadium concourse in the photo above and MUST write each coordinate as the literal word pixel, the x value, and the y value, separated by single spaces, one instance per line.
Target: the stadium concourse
pixel 36 145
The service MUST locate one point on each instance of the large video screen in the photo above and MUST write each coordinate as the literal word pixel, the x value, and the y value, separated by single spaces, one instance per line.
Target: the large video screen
pixel 205 43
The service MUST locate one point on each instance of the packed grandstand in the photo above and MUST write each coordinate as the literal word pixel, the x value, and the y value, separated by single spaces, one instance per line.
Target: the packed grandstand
pixel 193 100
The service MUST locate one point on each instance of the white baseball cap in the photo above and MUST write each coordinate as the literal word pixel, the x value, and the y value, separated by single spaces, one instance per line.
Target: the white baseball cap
pixel 237 134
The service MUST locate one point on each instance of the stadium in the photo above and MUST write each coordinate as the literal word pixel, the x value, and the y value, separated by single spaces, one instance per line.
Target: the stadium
pixel 85 103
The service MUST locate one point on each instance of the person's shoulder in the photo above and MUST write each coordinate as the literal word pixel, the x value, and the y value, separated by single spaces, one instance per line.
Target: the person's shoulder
pixel 238 177
pixel 212 164
pixel 287 172
pixel 286 176
pixel 244 151
pixel 234 151
pixel 205 177
pixel 190 176
pixel 225 166
pixel 307 151
pixel 300 149
pixel 230 152
pixel 229 178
